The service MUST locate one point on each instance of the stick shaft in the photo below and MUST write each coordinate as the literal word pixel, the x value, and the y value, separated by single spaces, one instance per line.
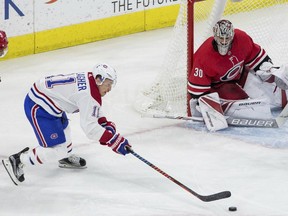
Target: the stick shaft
pixel 238 122
pixel 208 198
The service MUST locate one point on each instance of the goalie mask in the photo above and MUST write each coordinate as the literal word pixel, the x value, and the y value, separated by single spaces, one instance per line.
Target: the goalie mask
pixel 223 36
pixel 104 71
pixel 3 44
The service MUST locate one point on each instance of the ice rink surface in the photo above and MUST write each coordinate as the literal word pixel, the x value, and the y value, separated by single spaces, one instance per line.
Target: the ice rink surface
pixel 113 185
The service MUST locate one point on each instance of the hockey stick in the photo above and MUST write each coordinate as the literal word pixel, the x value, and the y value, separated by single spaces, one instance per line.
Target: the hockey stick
pixel 207 198
pixel 282 117
pixel 264 123
pixel 240 122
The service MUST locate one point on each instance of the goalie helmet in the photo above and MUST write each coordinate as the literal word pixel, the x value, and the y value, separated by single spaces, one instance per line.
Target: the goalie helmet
pixel 223 36
pixel 104 71
pixel 3 44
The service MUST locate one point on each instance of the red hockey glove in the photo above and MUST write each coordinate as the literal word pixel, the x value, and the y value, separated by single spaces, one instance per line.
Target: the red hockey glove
pixel 108 125
pixel 115 141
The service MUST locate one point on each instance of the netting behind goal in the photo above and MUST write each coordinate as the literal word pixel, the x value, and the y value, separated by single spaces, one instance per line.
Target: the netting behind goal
pixel 264 20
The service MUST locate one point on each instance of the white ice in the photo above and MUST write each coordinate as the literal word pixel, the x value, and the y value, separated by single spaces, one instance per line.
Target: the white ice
pixel 256 175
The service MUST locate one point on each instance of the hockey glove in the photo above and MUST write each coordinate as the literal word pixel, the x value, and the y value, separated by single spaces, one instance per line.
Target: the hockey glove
pixel 115 141
pixel 264 72
pixel 108 125
pixel 280 74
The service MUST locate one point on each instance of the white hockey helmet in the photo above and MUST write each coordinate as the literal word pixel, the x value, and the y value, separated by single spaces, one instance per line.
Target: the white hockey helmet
pixel 104 71
pixel 223 35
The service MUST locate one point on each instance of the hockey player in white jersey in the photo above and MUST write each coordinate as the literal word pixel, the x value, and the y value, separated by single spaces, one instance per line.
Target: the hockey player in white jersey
pixel 46 106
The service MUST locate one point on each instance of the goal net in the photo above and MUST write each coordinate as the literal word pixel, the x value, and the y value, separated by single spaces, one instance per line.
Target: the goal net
pixel 264 20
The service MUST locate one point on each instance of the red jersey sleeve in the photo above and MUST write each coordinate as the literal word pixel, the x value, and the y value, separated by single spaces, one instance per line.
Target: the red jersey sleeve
pixel 255 54
pixel 199 80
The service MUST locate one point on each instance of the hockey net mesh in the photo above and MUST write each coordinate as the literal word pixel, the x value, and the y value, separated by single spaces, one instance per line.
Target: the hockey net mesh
pixel 264 20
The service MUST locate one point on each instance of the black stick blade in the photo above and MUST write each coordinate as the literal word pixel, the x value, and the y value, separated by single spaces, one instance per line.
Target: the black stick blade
pixel 214 197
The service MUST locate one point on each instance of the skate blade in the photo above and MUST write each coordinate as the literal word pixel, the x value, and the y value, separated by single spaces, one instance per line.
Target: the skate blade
pixel 68 166
pixel 7 165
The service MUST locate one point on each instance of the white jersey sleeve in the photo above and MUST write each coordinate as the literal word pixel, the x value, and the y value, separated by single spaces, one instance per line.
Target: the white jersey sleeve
pixel 71 93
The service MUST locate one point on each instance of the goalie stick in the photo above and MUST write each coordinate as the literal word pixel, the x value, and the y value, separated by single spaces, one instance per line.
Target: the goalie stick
pixel 239 122
pixel 207 198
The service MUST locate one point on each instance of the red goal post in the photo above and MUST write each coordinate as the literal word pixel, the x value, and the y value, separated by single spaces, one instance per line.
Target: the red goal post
pixel 264 20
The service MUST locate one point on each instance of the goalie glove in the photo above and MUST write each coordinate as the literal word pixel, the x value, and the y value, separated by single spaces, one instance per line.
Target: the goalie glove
pixel 108 125
pixel 280 74
pixel 264 72
pixel 115 141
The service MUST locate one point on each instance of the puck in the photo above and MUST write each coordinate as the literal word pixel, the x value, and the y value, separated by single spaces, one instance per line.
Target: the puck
pixel 232 208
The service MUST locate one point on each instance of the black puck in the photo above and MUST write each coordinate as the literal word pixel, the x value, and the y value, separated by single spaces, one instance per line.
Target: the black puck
pixel 232 208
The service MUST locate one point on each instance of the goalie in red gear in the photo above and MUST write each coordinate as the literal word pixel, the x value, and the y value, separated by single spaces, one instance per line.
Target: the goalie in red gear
pixel 227 63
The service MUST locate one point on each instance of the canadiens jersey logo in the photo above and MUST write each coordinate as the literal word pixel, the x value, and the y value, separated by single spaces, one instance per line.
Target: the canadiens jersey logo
pixel 54 136
pixel 233 72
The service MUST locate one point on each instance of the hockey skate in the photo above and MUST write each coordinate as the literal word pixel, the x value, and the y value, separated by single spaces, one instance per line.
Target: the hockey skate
pixel 72 162
pixel 14 167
